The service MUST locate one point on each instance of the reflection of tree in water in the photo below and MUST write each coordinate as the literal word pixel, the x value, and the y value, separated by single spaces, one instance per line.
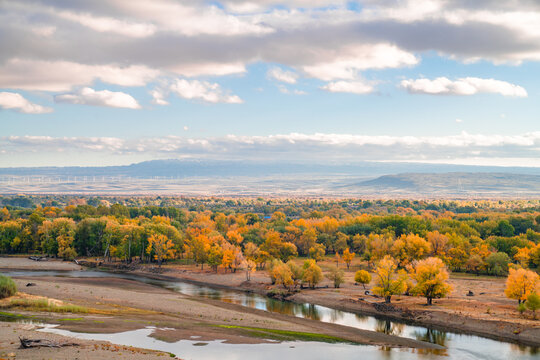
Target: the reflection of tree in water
pixel 525 349
pixel 282 307
pixel 434 337
pixel 388 327
pixel 250 301
pixel 361 318
pixel 310 311
pixel 336 315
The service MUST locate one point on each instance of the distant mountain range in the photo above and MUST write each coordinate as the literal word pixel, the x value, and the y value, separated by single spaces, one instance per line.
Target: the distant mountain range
pixel 368 179
pixel 190 168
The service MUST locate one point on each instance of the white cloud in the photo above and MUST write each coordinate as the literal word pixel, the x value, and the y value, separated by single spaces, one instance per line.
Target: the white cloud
pixel 463 86
pixel 203 91
pixel 297 146
pixel 63 75
pixel 354 87
pixel 108 24
pixel 192 20
pixel 17 102
pixel 346 64
pixel 208 68
pixel 459 121
pixel 158 97
pixel 88 96
pixel 285 76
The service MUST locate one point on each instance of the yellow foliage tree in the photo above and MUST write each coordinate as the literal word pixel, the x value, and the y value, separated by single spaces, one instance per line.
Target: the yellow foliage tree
pixel 363 277
pixel 282 275
pixel 161 246
pixel 317 252
pixel 520 284
pixel 431 276
pixel 348 257
pixel 389 280
pixel 523 256
pixel 235 237
pixel 312 273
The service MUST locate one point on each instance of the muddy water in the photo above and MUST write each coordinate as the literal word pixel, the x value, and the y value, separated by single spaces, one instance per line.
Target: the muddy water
pixel 458 346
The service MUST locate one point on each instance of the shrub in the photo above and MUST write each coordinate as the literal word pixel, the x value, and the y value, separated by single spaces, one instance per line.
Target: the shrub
pixel 336 276
pixel 7 287
pixel 533 303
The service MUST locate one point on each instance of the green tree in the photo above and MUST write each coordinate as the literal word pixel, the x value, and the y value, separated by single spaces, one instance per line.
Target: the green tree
pixel 533 303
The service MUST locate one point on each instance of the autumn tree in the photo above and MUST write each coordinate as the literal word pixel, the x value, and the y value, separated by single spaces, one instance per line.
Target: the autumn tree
pixel 307 240
pixel 520 284
pixel 282 275
pixel 410 247
pixel 438 242
pixel 523 256
pixel 389 281
pixel 312 273
pixel 348 257
pixel 297 272
pixel 475 264
pixel 362 277
pixel 214 256
pixel 431 279
pixel 249 266
pixel 161 247
pixel 317 252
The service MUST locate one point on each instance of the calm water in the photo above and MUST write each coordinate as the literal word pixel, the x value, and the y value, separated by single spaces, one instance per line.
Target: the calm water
pixel 457 346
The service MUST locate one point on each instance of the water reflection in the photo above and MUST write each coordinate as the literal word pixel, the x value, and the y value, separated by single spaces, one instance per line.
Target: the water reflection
pixel 432 336
pixel 389 327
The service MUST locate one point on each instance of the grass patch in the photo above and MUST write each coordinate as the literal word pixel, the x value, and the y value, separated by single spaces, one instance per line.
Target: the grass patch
pixel 7 287
pixel 287 335
pixel 71 319
pixel 44 305
pixel 5 316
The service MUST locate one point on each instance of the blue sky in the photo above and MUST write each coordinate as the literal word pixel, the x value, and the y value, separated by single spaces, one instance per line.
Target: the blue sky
pixel 116 82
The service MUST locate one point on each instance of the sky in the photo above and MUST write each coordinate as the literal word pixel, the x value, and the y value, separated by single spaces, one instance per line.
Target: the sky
pixel 113 82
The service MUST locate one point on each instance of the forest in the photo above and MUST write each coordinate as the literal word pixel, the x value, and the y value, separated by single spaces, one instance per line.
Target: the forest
pixel 485 240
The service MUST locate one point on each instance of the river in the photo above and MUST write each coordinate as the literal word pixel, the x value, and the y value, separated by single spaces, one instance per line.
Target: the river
pixel 458 346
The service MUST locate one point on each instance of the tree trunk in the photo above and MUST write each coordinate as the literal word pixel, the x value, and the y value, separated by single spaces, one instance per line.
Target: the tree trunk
pixel 387 299
pixel 429 300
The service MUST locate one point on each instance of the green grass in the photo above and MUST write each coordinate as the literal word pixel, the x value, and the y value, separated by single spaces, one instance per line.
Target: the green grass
pixel 71 319
pixel 7 287
pixel 286 335
pixel 44 305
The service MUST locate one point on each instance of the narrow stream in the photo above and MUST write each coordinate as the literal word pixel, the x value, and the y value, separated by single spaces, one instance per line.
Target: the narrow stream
pixel 458 346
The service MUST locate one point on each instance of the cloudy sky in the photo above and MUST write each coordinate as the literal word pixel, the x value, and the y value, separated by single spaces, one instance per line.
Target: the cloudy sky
pixel 108 82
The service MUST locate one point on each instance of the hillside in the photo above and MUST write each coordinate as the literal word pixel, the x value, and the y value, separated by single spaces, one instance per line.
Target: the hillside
pixel 452 183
